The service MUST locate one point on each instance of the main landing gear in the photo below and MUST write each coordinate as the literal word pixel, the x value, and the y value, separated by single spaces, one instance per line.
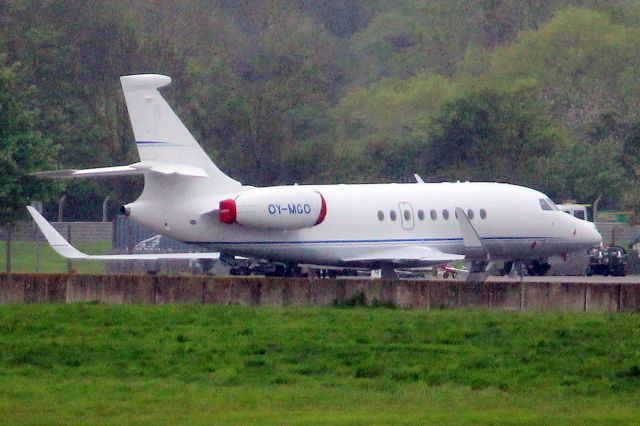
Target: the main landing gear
pixel 537 268
pixel 521 268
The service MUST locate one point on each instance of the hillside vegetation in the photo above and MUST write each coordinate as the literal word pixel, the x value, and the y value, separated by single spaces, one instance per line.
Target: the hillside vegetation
pixel 93 364
pixel 541 93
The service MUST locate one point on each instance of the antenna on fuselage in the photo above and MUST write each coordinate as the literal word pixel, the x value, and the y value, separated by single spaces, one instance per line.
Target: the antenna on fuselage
pixel 418 178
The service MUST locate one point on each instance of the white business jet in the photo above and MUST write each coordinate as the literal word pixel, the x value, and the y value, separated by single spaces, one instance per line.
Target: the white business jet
pixel 381 226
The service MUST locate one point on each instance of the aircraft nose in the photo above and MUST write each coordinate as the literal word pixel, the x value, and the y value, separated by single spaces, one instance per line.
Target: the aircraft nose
pixel 593 235
pixel 585 234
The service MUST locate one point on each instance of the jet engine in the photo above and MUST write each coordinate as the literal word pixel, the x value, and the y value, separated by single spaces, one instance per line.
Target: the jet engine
pixel 275 208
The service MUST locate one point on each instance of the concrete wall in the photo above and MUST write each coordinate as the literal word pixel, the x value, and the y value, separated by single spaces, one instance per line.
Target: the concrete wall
pixel 278 292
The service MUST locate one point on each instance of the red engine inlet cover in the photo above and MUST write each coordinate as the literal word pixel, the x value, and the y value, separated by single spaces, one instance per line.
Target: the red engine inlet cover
pixel 228 211
pixel 323 210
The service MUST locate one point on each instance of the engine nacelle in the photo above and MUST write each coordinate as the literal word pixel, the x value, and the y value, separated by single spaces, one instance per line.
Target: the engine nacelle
pixel 275 208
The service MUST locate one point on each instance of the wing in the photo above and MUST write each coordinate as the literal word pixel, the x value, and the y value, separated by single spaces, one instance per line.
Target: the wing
pixel 403 254
pixel 63 248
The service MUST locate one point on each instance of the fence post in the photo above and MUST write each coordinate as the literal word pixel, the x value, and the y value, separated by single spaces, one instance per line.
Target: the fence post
pixel 69 265
pixel 37 238
pixel 8 248
pixel 38 206
pixel 63 199
pixel 104 209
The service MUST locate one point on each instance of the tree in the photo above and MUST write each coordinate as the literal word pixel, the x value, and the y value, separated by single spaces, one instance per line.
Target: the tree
pixel 376 129
pixel 631 200
pixel 328 91
pixel 496 132
pixel 22 150
pixel 587 66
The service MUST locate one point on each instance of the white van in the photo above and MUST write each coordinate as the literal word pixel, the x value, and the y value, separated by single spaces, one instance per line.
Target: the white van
pixel 578 210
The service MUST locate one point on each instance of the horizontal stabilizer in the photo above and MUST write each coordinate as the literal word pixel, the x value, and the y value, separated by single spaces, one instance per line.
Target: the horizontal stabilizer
pixel 63 248
pixel 99 172
pixel 132 169
pixel 406 253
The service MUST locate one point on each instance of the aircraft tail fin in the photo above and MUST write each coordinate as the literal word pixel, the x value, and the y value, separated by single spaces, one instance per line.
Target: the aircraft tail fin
pixel 161 137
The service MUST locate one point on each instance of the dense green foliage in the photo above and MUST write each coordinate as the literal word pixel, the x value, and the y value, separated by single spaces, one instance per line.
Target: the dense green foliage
pixel 201 364
pixel 539 93
pixel 22 150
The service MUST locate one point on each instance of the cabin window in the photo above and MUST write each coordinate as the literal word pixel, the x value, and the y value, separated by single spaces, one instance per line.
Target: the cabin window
pixel 544 205
pixel 407 215
pixel 470 214
pixel 483 214
pixel 392 215
pixel 434 215
pixel 380 215
pixel 445 214
pixel 420 215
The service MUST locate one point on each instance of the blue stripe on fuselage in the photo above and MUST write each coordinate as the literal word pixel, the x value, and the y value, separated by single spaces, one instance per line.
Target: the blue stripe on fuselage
pixel 409 240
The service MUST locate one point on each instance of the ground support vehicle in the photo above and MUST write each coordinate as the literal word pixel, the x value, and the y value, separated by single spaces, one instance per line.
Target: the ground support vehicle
pixel 606 260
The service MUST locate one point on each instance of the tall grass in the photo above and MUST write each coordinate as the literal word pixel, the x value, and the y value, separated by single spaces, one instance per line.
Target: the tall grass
pixel 199 364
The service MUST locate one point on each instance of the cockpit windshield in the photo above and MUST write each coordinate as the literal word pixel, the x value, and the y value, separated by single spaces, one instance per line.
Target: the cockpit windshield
pixel 548 205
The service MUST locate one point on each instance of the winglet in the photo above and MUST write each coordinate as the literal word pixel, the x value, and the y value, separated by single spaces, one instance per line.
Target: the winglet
pixel 64 249
pixel 474 249
pixel 57 241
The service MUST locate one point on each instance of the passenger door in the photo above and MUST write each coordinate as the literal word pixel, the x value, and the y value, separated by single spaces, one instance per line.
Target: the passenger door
pixel 406 215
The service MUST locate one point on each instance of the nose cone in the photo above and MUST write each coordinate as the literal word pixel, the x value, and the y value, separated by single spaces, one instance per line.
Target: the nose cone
pixel 595 234
pixel 590 233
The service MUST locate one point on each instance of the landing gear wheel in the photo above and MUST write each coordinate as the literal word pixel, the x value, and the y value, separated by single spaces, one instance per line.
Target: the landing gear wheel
pixel 508 265
pixel 536 268
pixel 520 269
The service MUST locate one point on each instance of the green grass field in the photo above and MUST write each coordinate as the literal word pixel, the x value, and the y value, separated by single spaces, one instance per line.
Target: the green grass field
pixel 96 364
pixel 23 257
